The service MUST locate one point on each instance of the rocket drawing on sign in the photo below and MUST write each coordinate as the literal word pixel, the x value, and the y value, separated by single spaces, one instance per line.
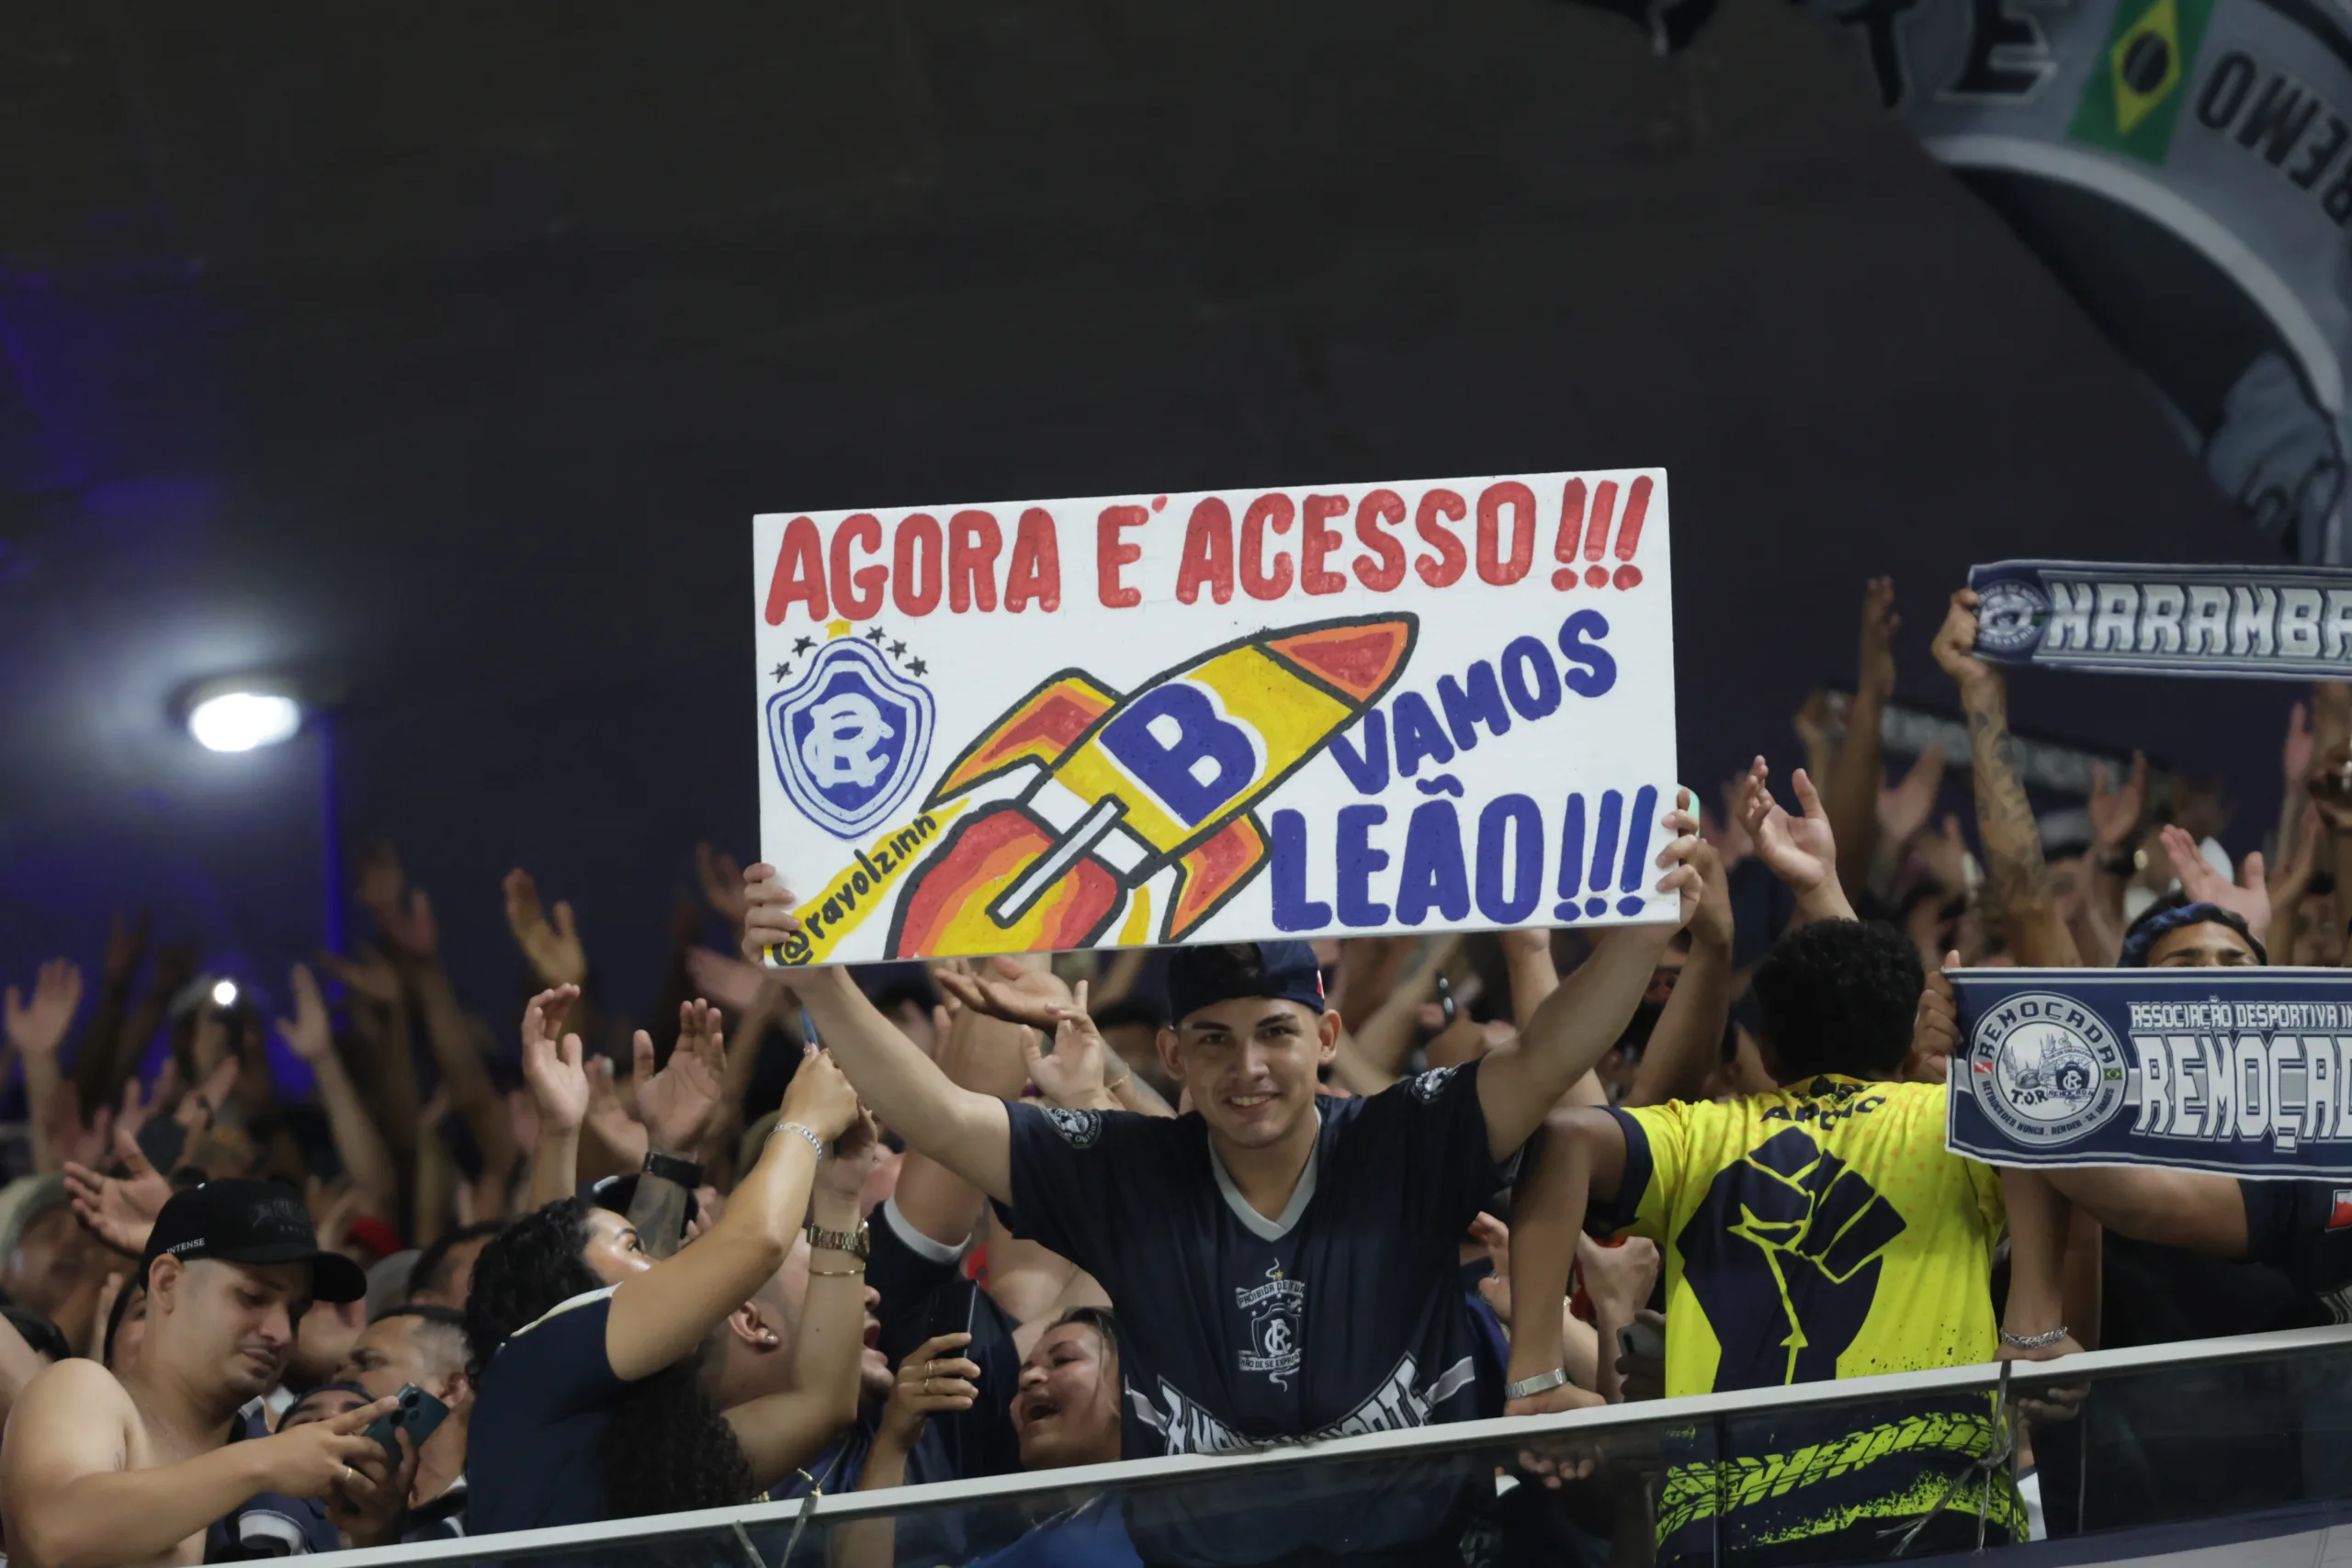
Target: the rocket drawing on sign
pixel 1127 787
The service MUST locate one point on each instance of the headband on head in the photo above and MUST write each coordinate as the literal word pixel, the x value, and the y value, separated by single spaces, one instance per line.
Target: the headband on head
pixel 2161 922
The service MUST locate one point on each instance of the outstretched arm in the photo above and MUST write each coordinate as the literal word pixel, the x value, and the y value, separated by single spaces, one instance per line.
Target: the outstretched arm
pixel 1547 1215
pixel 969 1133
pixel 2176 1208
pixel 1854 772
pixel 1688 1042
pixel 2016 879
pixel 658 1316
pixel 1518 1084
pixel 779 1433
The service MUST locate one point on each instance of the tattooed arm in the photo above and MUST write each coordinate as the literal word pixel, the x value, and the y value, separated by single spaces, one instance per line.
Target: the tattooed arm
pixel 2017 882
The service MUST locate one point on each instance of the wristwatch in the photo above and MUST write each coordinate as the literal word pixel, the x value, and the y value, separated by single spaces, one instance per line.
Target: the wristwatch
pixel 858 1243
pixel 674 1168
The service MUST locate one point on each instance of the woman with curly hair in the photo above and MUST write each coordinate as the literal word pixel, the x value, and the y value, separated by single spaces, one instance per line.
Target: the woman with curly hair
pixel 587 1353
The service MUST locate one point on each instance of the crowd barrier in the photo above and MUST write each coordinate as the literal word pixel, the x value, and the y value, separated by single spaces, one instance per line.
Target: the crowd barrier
pixel 2206 1447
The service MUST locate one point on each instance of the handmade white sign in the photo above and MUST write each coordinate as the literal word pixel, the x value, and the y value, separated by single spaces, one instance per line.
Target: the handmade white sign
pixel 1232 715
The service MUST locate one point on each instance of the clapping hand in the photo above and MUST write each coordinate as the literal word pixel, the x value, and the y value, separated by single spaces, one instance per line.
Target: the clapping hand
pixel 2249 898
pixel 38 1027
pixel 1017 993
pixel 553 947
pixel 1073 1072
pixel 1802 851
pixel 678 1103
pixel 558 1082
pixel 120 1210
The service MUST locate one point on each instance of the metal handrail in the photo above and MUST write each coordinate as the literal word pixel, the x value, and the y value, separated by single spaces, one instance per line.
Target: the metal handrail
pixel 1594 1422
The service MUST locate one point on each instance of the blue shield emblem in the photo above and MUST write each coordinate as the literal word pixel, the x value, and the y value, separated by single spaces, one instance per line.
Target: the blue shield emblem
pixel 849 737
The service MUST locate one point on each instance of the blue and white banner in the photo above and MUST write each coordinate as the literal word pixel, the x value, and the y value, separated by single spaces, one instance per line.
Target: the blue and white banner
pixel 2270 623
pixel 2240 1072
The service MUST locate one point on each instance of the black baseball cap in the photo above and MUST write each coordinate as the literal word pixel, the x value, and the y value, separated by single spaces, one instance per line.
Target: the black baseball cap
pixel 1281 971
pixel 250 1221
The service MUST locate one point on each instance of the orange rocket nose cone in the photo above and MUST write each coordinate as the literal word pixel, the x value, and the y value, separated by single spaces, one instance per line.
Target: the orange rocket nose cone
pixel 1356 657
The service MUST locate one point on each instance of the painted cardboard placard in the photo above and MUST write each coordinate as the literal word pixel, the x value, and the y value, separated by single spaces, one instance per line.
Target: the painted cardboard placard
pixel 1232 715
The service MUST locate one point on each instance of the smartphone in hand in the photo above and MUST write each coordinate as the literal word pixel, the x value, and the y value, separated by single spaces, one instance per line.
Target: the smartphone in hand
pixel 417 1414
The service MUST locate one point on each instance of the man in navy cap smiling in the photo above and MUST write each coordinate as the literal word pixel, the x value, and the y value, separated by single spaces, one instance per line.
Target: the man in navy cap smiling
pixel 1283 1266
pixel 101 1471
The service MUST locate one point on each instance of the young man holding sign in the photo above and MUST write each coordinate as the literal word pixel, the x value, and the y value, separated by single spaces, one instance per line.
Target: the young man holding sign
pixel 1283 1266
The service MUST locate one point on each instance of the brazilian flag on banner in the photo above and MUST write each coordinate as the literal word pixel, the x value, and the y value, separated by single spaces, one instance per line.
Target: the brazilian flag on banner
pixel 2136 85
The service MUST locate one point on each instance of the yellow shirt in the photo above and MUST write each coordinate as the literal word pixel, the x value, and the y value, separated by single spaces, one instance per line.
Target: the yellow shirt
pixel 1820 1231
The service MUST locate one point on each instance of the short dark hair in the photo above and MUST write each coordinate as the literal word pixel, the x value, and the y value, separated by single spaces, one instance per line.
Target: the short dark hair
pixel 431 1271
pixel 2167 915
pixel 445 1324
pixel 1129 1011
pixel 1839 997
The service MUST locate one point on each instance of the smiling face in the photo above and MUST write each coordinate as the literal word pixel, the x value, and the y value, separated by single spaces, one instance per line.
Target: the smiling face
pixel 1066 1407
pixel 612 1249
pixel 1250 1066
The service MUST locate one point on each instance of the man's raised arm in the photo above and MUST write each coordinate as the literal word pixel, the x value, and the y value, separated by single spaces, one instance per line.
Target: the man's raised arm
pixel 1518 1084
pixel 969 1133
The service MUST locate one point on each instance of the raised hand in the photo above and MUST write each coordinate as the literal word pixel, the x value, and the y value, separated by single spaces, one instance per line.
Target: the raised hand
pixel 1879 624
pixel 1713 924
pixel 1934 1028
pixel 125 945
pixel 819 1098
pixel 2291 878
pixel 722 884
pixel 367 972
pixel 1679 860
pixel 38 1027
pixel 308 1033
pixel 1945 854
pixel 2115 812
pixel 120 1210
pixel 2295 753
pixel 2249 898
pixel 1955 646
pixel 201 1104
pixel 841 1175
pixel 678 1103
pixel 1903 810
pixel 1802 851
pixel 768 920
pixel 732 983
pixel 1017 993
pixel 553 946
pixel 1072 1073
pixel 405 923
pixel 553 1066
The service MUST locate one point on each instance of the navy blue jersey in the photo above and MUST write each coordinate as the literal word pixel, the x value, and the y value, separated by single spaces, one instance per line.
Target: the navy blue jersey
pixel 924 1295
pixel 1344 1314
pixel 538 1421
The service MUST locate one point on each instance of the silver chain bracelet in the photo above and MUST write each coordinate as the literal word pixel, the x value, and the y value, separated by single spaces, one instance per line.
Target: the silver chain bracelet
pixel 2033 1341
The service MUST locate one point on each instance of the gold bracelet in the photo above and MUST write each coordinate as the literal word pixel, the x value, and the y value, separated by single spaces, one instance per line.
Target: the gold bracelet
pixel 815 1273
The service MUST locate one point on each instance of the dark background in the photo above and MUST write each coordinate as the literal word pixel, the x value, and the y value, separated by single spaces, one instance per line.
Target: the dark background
pixel 447 350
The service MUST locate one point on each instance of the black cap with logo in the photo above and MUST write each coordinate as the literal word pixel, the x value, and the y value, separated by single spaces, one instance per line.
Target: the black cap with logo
pixel 250 1221
pixel 1202 976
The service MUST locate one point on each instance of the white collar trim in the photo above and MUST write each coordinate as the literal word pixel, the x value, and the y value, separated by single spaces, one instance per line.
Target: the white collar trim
pixel 1303 1194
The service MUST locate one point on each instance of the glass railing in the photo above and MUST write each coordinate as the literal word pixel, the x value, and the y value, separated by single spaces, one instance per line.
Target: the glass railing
pixel 2114 1455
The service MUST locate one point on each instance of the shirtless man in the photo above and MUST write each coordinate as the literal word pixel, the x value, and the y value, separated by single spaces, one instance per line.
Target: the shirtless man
pixel 104 1472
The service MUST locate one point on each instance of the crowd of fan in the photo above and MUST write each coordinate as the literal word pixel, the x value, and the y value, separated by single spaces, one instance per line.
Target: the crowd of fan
pixel 1025 1214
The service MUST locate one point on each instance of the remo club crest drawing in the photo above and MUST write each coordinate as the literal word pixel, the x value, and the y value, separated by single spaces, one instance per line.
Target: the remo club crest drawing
pixel 850 737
